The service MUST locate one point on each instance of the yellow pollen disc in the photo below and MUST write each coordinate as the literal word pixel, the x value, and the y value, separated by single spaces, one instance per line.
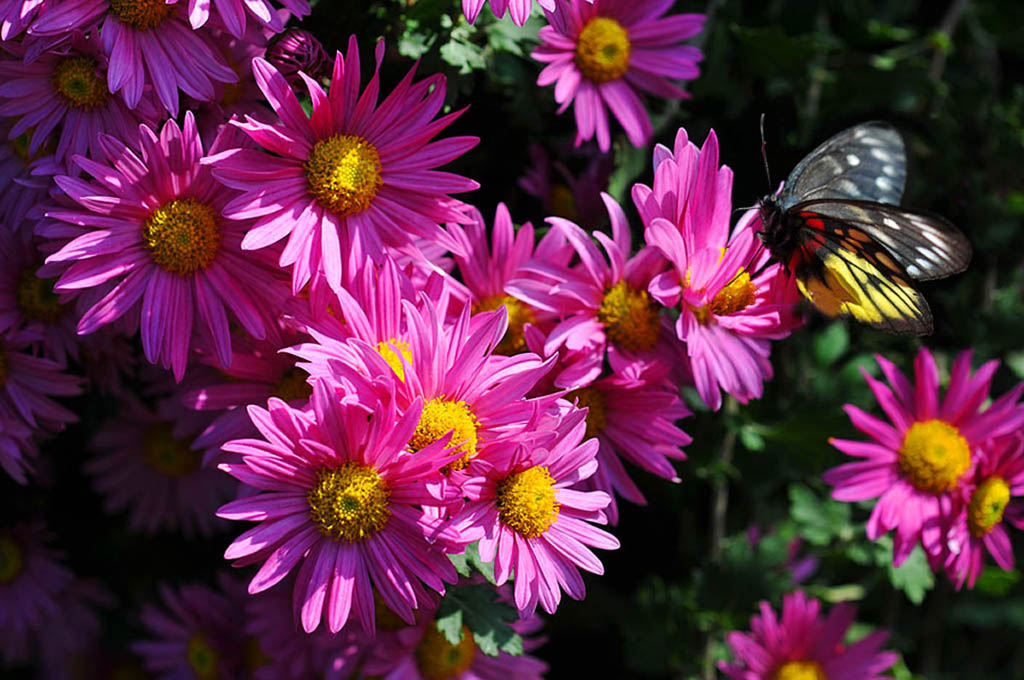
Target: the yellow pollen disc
pixel 440 417
pixel 182 236
pixel 169 456
pixel 343 174
pixel 76 81
pixel 526 502
pixel 987 504
pixel 390 351
pixel 800 670
pixel 602 50
pixel 735 297
pixel 142 14
pixel 4 368
pixel 202 658
pixel 12 559
pixel 514 342
pixel 439 659
pixel 36 298
pixel 349 503
pixel 934 456
pixel 593 400
pixel 630 318
pixel 292 386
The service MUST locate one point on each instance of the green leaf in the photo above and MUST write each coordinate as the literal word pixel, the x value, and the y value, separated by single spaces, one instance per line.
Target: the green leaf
pixel 914 577
pixel 477 607
pixel 820 520
pixel 461 564
pixel 831 344
pixel 996 582
pixel 485 568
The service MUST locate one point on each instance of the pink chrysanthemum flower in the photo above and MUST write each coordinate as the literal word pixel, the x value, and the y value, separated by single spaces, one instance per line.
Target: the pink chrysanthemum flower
pixel 726 317
pixel 604 303
pixel 803 644
pixel 490 264
pixel 233 13
pixel 66 92
pixel 353 178
pixel 146 464
pixel 297 50
pixel 31 581
pixel 148 42
pixel 25 180
pixel 601 55
pixel 152 222
pixel 529 520
pixel 988 501
pixel 28 302
pixel 916 464
pixel 633 419
pixel 343 496
pixel 423 652
pixel 196 634
pixel 519 9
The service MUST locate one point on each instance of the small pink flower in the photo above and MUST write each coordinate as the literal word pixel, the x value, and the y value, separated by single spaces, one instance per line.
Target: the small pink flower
pixel 602 54
pixel 917 464
pixel 519 9
pixel 803 644
pixel 233 13
pixel 531 522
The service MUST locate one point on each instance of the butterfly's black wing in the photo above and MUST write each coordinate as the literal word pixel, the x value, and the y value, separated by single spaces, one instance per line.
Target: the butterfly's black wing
pixel 866 162
pixel 842 270
pixel 926 246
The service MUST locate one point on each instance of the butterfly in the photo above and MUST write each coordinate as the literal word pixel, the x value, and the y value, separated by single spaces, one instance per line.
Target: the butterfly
pixel 837 227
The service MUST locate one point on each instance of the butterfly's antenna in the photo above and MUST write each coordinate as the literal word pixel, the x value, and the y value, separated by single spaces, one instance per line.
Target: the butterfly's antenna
pixel 764 156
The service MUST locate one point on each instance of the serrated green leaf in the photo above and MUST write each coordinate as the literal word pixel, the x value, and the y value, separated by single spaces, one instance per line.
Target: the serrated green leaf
pixel 996 582
pixel 914 577
pixel 486 617
pixel 820 520
pixel 461 564
pixel 485 568
pixel 451 625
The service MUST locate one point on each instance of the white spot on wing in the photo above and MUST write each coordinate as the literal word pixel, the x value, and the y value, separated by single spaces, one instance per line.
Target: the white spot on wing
pixel 891 223
pixel 852 159
pixel 913 270
pixel 883 183
pixel 889 170
pixel 881 154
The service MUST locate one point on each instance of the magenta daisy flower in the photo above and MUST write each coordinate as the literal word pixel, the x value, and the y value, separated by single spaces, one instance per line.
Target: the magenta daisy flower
pixel 67 92
pixel 146 464
pixel 342 496
pixel 987 503
pixel 727 316
pixel 31 581
pixel 148 42
pixel 233 13
pixel 529 520
pixel 519 9
pixel 151 221
pixel 803 644
pixel 195 634
pixel 633 419
pixel 25 180
pixel 603 54
pixel 297 50
pixel 490 264
pixel 917 463
pixel 353 178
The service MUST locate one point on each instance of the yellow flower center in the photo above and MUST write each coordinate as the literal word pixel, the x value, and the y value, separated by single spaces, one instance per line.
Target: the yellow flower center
pixel 593 400
pixel 202 658
pixel 987 504
pixel 439 659
pixel 349 503
pixel 519 314
pixel 142 14
pixel 182 236
pixel 734 297
pixel 343 174
pixel 800 670
pixel 602 50
pixel 12 559
pixel 390 351
pixel 76 80
pixel 169 456
pixel 934 456
pixel 630 317
pixel 36 298
pixel 292 386
pixel 442 416
pixel 526 501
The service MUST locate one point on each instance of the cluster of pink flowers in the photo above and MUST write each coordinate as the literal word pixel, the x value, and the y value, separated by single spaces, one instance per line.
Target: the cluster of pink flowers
pixel 385 379
pixel 946 471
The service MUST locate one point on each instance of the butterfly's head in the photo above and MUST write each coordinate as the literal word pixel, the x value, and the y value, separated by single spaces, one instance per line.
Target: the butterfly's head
pixel 773 234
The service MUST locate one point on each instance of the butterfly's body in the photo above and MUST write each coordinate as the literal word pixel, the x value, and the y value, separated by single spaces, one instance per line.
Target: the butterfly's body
pixel 837 227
